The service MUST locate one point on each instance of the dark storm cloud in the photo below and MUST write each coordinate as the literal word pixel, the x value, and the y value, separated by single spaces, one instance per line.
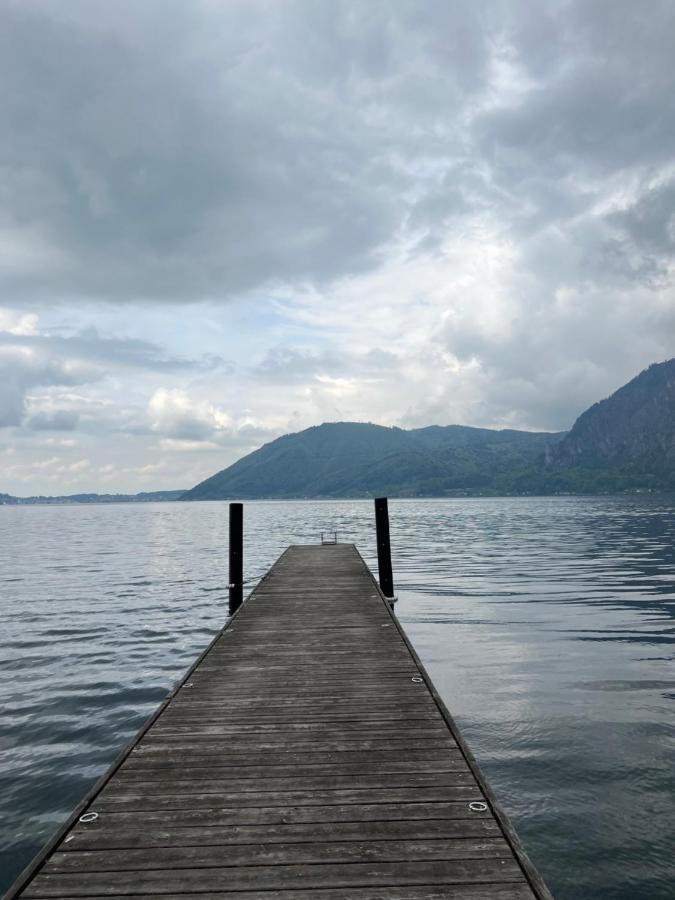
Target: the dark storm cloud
pixel 187 152
pixel 168 151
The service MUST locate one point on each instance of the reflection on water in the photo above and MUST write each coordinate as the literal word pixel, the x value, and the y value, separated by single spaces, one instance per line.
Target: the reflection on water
pixel 548 626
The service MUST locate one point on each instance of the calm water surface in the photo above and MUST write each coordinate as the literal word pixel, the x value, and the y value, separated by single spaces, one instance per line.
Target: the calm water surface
pixel 548 626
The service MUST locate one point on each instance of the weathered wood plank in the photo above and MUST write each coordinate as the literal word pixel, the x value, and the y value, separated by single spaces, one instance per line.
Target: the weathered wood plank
pixel 425 892
pixel 210 744
pixel 197 756
pixel 174 799
pixel 344 726
pixel 376 699
pixel 278 854
pixel 361 874
pixel 223 836
pixel 252 815
pixel 120 784
pixel 369 767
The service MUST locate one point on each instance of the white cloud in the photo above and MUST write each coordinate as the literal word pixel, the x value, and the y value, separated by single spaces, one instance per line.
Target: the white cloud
pixel 78 466
pixel 186 446
pixel 14 322
pixel 174 413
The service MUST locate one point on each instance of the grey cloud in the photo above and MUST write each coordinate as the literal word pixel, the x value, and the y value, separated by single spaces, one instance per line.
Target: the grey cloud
pixel 603 99
pixel 650 223
pixel 378 359
pixel 240 144
pixel 34 361
pixel 94 347
pixel 301 364
pixel 59 420
pixel 298 364
pixel 597 119
pixel 182 152
pixel 20 372
pixel 188 427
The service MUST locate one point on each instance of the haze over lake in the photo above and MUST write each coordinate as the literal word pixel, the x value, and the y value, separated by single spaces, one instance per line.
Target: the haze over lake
pixel 546 624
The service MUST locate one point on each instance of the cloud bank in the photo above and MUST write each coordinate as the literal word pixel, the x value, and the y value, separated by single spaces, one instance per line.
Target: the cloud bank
pixel 223 221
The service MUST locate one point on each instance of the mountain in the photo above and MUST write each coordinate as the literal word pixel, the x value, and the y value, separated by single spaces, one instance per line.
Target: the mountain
pixel 351 459
pixel 624 442
pixel 143 497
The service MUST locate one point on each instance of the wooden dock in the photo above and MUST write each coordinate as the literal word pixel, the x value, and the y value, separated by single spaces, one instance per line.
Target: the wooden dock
pixel 305 756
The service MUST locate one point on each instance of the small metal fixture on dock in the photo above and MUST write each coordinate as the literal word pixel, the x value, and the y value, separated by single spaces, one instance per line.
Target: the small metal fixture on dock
pixel 306 755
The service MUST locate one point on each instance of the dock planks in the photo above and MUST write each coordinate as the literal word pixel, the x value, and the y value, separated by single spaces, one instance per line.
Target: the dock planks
pixel 305 756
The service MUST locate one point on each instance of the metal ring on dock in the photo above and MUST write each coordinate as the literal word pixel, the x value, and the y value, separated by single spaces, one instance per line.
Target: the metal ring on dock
pixel 88 817
pixel 417 679
pixel 478 806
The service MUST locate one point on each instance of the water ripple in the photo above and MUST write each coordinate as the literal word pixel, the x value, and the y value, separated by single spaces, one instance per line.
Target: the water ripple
pixel 547 625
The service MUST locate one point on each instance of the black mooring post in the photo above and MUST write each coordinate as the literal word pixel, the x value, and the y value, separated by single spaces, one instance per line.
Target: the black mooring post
pixel 383 546
pixel 236 556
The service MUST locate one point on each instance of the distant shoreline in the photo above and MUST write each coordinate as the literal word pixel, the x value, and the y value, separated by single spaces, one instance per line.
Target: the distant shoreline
pixel 120 499
pixel 84 499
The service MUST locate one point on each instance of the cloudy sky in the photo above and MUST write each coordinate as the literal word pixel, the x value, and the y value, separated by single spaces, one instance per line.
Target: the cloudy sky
pixel 223 220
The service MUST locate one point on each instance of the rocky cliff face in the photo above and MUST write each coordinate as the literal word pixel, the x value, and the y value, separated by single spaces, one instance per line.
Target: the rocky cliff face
pixel 635 426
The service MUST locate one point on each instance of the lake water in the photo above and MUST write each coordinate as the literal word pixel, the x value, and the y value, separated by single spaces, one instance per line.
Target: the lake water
pixel 548 626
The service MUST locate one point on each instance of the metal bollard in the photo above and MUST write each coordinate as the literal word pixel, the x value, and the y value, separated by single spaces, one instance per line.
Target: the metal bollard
pixel 236 584
pixel 383 547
